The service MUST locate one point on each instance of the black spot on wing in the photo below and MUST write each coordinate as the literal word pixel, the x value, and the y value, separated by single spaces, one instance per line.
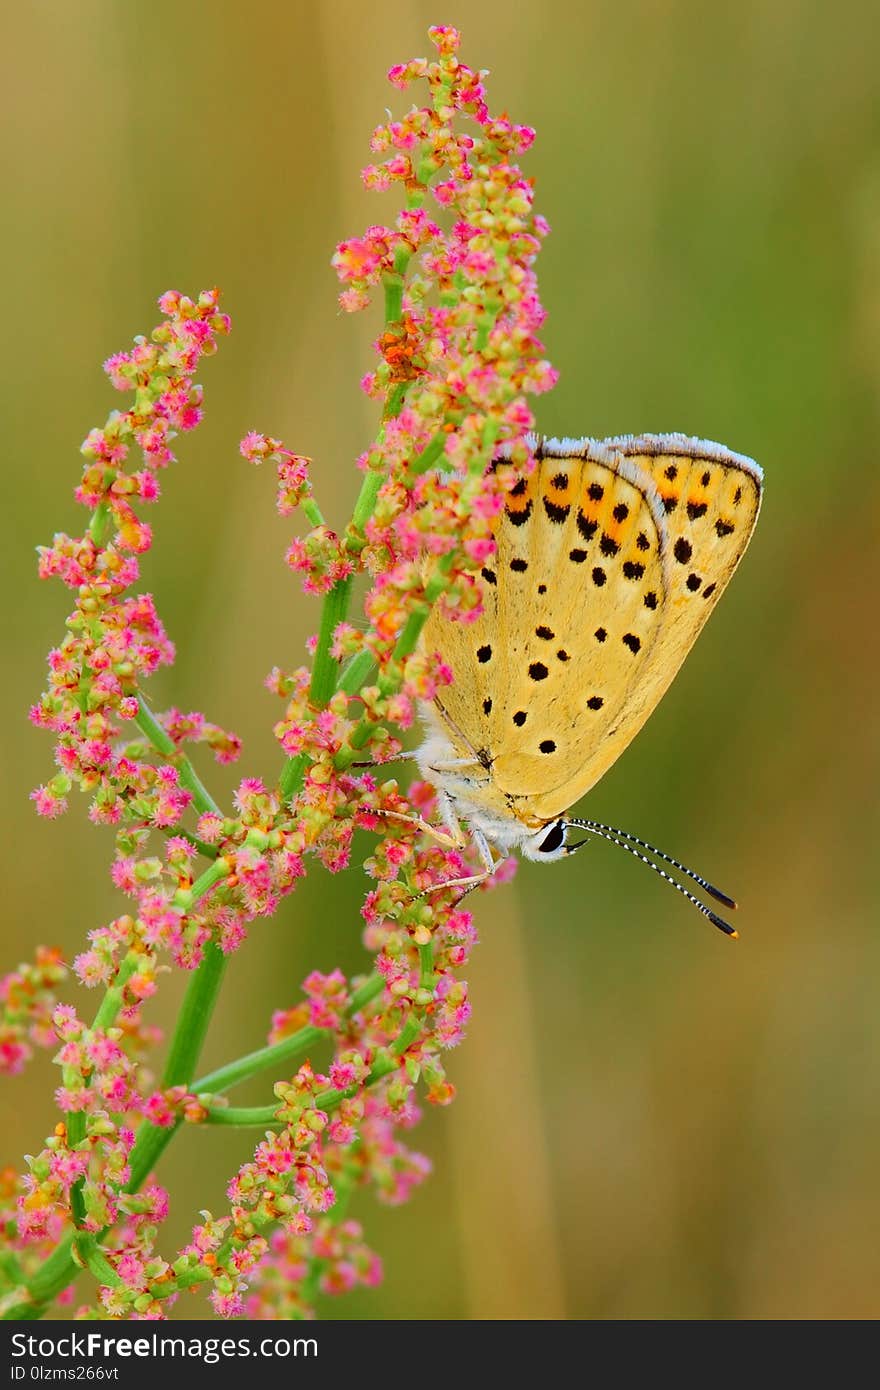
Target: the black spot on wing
pixel 519 518
pixel 586 527
pixel 556 513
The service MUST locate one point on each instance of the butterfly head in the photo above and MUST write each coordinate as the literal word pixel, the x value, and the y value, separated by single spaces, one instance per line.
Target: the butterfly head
pixel 549 843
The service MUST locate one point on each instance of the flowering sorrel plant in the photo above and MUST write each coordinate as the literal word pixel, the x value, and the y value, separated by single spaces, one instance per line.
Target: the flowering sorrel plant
pixel 457 355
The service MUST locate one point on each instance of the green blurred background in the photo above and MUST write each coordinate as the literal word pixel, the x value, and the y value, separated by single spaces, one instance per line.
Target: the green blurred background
pixel 651 1121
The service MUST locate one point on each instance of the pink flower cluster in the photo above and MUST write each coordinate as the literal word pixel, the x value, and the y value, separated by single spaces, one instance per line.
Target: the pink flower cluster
pixel 115 639
pixel 195 728
pixel 339 1130
pixel 457 357
pixel 89 1150
pixel 330 1257
pixel 294 484
pixel 27 998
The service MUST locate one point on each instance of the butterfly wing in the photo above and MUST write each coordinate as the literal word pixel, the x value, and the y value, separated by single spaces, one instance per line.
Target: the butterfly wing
pixel 610 558
pixel 542 675
pixel 710 498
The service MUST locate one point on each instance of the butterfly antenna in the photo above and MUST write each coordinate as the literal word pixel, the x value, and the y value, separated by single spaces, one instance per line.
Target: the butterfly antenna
pixel 708 887
pixel 628 842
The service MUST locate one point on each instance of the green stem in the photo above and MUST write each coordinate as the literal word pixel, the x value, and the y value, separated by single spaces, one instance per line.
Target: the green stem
pixel 393 298
pixel 186 898
pixel 356 673
pixel 395 283
pixel 325 672
pixel 195 1016
pixel 430 455
pixel 112 1002
pixel 326 668
pixel 390 681
pixel 291 778
pixel 334 612
pixel 108 1011
pixel 267 1058
pixel 60 1268
pixel 243 1068
pixel 189 778
pixel 10 1269
pixel 99 523
pixel 396 398
pixel 365 993
pixel 266 1116
pixel 363 507
pixel 408 1034
pixel 150 1144
pixel 313 512
pixel 53 1275
pixel 93 1258
pixel 209 851
pixel 246 1117
pixel 426 961
pixel 186 1045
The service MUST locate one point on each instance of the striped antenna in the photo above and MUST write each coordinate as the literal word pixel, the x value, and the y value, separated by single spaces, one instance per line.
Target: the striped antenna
pixel 628 842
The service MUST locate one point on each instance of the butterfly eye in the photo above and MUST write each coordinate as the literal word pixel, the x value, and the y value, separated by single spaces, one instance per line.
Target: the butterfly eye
pixel 554 839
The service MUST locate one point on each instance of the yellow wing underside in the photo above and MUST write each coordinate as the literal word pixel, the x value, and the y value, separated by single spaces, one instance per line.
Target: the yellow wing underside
pixel 610 558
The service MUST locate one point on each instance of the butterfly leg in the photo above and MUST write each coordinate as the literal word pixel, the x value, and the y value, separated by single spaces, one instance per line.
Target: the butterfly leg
pixel 452 838
pixel 445 838
pixel 483 849
pixel 386 762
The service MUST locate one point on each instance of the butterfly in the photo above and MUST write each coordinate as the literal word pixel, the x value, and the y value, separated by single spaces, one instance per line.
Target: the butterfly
pixel 610 557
